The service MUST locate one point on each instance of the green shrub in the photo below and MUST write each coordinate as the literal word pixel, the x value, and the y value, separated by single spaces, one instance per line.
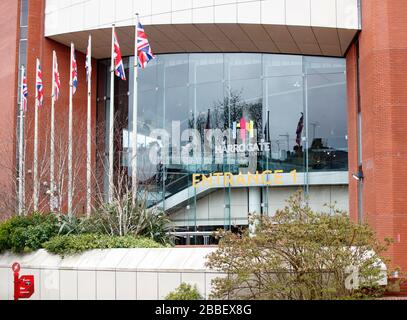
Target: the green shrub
pixel 185 292
pixel 75 244
pixel 124 217
pixel 27 233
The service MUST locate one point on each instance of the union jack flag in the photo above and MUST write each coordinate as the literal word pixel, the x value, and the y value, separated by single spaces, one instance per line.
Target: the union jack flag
pixel 38 85
pixel 144 52
pixel 88 61
pixel 57 80
pixel 25 92
pixel 118 62
pixel 74 71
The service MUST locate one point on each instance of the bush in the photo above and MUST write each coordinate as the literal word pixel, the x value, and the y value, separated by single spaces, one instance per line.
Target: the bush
pixel 27 233
pixel 298 254
pixel 123 217
pixel 185 292
pixel 75 244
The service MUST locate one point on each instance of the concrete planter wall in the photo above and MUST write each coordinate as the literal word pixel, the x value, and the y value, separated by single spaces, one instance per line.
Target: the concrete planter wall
pixel 125 274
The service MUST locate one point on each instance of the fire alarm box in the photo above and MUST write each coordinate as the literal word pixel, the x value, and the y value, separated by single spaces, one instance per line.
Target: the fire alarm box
pixel 26 287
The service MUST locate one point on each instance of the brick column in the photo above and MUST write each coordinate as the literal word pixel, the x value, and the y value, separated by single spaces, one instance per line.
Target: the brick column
pixel 383 93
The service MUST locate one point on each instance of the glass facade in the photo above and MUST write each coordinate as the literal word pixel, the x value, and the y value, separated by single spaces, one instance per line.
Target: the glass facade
pixel 229 113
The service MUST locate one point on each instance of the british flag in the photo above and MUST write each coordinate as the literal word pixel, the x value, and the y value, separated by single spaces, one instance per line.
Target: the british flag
pixel 25 92
pixel 74 71
pixel 118 61
pixel 38 85
pixel 57 80
pixel 144 52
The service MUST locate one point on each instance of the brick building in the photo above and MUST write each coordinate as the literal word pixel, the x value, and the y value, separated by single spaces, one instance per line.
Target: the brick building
pixel 333 68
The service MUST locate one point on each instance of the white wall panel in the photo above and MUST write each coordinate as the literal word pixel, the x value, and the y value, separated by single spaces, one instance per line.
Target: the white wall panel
pixel 195 279
pixel 167 282
pixel 225 13
pixel 125 13
pixel 160 12
pixel 248 12
pixel 91 12
pixel 64 17
pixel 105 285
pixel 117 284
pixel 147 286
pixel 77 18
pixel 5 278
pixel 323 13
pixel 86 285
pixel 203 11
pixel 143 8
pixel 69 283
pixel 107 13
pixel 126 285
pixel 348 14
pixel 50 284
pixel 298 12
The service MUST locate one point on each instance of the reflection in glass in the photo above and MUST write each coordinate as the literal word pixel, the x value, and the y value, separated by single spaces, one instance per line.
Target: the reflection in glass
pixel 295 105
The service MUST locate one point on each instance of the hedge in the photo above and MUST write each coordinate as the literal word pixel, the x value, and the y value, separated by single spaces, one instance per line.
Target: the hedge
pixel 75 244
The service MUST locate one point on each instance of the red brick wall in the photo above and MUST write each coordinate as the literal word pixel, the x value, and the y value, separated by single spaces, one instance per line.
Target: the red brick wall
pixel 39 46
pixel 9 21
pixel 383 90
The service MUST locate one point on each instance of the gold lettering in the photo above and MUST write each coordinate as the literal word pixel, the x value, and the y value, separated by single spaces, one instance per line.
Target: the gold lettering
pixel 195 179
pixel 264 176
pixel 207 179
pixel 294 174
pixel 241 181
pixel 228 179
pixel 218 175
pixel 252 177
pixel 278 177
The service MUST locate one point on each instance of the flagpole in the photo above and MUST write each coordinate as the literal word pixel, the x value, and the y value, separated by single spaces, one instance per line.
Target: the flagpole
pixel 135 118
pixel 21 148
pixel 89 128
pixel 70 171
pixel 52 149
pixel 35 169
pixel 111 122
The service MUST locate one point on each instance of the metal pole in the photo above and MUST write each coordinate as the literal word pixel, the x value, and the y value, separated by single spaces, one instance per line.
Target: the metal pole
pixel 89 134
pixel 111 122
pixel 21 149
pixel 52 148
pixel 305 97
pixel 135 119
pixel 35 169
pixel 70 171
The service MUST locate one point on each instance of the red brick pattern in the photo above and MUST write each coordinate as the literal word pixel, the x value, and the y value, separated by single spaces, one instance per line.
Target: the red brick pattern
pixel 383 81
pixel 9 11
pixel 39 46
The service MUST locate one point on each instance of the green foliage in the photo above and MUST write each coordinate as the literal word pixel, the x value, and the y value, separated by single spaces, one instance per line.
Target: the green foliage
pixel 124 217
pixel 185 292
pixel 297 254
pixel 27 233
pixel 75 244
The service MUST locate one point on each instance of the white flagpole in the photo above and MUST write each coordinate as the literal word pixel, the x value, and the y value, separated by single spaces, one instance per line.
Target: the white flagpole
pixel 89 129
pixel 111 122
pixel 135 119
pixel 21 149
pixel 70 171
pixel 35 169
pixel 52 147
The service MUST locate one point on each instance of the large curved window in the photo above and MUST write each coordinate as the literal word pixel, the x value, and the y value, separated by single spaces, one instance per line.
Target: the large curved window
pixel 293 108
